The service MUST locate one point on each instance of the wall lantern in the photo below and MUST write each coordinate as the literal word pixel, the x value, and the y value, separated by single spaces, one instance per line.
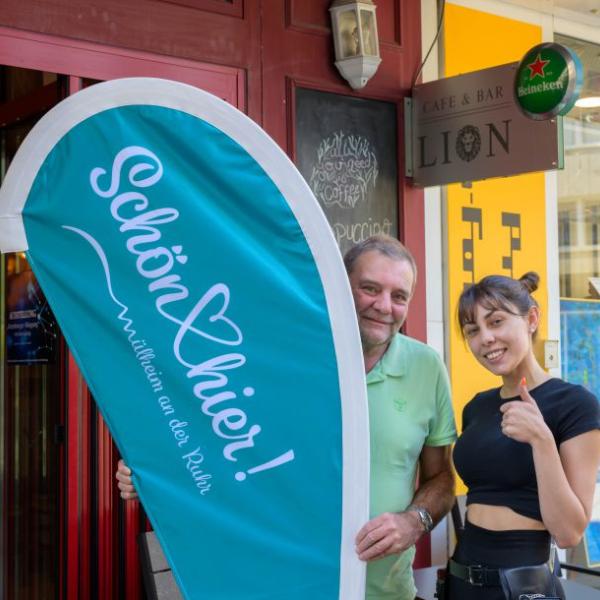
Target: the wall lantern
pixel 355 40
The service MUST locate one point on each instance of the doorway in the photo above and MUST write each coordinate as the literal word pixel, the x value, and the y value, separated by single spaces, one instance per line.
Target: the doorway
pixel 76 539
pixel 31 381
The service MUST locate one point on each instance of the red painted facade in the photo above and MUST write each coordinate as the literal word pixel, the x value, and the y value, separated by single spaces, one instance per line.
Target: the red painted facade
pixel 253 53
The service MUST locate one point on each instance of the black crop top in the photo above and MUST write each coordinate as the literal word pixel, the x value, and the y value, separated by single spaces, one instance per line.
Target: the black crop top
pixel 498 470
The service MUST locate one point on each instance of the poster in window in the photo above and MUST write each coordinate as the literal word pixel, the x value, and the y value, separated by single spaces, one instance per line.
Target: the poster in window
pixel 30 326
pixel 580 361
pixel 591 536
pixel 580 358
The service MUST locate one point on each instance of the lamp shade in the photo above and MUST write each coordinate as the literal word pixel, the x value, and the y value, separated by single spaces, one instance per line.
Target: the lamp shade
pixel 355 38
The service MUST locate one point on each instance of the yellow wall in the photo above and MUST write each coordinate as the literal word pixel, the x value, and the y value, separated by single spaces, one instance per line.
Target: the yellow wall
pixel 476 40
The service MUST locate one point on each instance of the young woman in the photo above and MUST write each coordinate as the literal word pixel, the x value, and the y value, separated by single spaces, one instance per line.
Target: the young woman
pixel 529 451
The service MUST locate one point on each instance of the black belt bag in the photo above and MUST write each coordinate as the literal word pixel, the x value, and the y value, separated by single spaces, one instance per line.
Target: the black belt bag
pixel 536 582
pixel 527 583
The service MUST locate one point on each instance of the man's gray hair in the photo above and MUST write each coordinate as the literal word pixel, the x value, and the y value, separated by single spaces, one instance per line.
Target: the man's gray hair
pixel 384 244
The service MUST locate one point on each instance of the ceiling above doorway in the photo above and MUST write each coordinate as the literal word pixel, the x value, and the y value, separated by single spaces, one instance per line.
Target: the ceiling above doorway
pixel 586 11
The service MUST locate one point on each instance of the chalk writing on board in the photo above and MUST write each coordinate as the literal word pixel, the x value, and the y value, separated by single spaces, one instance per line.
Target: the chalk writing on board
pixel 345 171
pixel 359 232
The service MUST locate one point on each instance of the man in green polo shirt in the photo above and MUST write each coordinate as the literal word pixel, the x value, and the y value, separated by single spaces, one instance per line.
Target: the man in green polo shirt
pixel 410 416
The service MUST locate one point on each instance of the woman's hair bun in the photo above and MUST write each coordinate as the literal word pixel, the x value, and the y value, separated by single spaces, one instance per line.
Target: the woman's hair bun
pixel 530 281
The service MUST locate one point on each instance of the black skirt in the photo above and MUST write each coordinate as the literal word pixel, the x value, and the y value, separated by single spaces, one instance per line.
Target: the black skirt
pixel 478 546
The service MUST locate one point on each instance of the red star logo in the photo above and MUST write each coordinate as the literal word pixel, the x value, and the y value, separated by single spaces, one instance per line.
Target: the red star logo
pixel 537 67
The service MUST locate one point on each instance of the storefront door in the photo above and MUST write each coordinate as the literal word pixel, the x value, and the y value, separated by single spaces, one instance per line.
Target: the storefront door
pixel 31 406
pixel 64 532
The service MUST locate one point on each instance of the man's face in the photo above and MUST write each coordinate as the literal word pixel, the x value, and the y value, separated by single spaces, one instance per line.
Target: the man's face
pixel 382 288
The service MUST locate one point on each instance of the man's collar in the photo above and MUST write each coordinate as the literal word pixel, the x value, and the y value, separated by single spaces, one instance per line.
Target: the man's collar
pixel 393 363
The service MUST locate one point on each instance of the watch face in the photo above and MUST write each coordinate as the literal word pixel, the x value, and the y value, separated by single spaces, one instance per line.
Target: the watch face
pixel 426 519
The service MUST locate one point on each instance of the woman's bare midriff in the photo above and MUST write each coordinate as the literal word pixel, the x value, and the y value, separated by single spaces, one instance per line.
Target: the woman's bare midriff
pixel 500 518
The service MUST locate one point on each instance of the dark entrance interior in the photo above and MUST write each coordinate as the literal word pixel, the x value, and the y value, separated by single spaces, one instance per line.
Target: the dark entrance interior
pixel 31 382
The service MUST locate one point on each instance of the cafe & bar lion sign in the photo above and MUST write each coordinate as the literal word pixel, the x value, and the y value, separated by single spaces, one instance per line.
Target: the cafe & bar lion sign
pixel 199 287
pixel 495 122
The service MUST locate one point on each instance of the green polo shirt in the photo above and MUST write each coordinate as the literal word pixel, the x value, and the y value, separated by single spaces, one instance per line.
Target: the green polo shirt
pixel 409 407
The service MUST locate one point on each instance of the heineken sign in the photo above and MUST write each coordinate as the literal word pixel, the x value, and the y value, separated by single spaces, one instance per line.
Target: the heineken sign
pixel 548 81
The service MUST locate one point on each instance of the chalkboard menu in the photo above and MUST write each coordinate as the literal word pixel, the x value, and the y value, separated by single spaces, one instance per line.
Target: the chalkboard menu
pixel 346 150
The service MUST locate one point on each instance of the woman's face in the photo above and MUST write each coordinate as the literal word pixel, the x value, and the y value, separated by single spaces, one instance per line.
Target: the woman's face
pixel 499 340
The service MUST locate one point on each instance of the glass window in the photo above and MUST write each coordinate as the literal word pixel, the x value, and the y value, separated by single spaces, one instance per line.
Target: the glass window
pixel 579 184
pixel 579 263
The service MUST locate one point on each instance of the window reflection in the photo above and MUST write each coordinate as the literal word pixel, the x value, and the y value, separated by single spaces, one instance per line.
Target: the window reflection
pixel 579 267
pixel 579 186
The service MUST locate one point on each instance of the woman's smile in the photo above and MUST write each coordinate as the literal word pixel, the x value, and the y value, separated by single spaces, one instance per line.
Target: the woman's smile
pixel 494 355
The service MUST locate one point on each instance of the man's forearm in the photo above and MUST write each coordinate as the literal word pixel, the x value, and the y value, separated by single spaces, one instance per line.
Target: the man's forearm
pixel 436 495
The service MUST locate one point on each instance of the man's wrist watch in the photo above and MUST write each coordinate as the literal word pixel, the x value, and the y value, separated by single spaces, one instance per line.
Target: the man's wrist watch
pixel 424 517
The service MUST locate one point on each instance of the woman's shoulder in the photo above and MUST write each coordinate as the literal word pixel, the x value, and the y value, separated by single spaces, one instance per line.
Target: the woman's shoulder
pixel 560 391
pixel 569 409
